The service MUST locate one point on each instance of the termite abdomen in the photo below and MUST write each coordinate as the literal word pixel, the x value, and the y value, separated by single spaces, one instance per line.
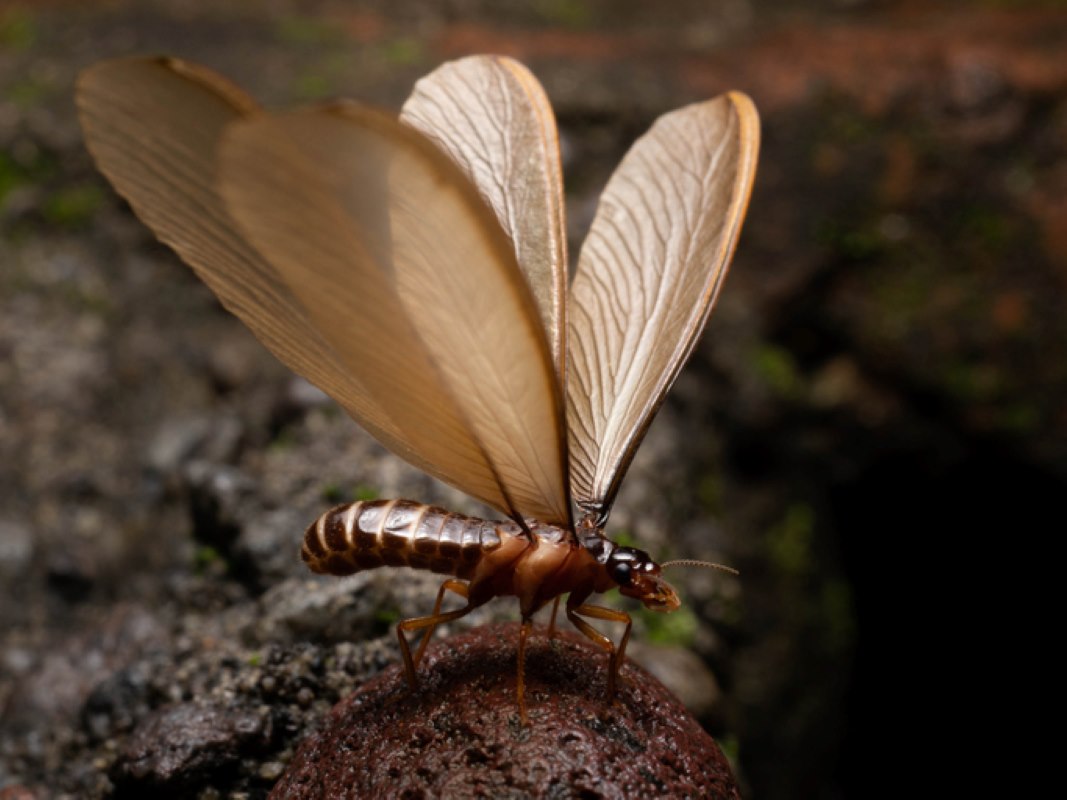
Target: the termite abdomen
pixel 397 533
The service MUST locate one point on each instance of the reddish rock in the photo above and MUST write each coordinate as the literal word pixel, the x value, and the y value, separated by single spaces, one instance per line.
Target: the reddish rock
pixel 459 735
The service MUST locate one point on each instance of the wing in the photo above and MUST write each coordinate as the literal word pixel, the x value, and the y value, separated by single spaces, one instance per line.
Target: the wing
pixel 153 126
pixel 362 257
pixel 491 116
pixel 648 275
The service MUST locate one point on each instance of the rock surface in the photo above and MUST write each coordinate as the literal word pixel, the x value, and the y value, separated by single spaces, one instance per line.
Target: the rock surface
pixel 177 747
pixel 459 734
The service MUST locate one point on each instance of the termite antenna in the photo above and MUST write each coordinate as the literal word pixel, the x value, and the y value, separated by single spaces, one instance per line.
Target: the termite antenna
pixel 692 562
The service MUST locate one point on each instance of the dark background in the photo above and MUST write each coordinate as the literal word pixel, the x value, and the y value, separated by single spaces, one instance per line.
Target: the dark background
pixel 874 429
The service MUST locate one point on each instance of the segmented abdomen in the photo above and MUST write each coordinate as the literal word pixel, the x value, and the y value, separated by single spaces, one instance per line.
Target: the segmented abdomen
pixel 399 533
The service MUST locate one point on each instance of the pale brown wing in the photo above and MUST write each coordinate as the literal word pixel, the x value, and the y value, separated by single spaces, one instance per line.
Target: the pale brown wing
pixel 648 276
pixel 491 116
pixel 405 271
pixel 153 127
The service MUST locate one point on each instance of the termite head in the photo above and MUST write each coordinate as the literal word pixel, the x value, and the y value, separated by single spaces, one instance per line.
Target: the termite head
pixel 639 576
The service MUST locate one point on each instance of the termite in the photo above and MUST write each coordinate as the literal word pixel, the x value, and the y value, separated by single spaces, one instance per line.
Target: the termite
pixel 415 269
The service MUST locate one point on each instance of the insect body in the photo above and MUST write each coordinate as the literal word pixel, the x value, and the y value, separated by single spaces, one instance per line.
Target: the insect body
pixel 470 355
pixel 536 565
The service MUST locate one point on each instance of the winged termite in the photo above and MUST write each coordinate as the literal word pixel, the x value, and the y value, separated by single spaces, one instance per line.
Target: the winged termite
pixel 415 270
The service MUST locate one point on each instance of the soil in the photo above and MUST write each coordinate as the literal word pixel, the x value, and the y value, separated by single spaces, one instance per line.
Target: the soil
pixel 877 407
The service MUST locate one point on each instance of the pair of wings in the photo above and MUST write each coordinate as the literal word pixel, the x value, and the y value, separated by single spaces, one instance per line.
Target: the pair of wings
pixel 416 270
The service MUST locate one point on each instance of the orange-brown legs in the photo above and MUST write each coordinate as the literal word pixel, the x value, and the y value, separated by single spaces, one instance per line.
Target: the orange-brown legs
pixel 616 655
pixel 552 619
pixel 460 588
pixel 428 624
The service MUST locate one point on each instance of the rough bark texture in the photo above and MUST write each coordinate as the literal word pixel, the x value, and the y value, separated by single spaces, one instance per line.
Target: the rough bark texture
pixel 459 735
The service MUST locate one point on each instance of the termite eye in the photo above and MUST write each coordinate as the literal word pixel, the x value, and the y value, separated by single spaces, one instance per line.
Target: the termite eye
pixel 625 562
pixel 621 572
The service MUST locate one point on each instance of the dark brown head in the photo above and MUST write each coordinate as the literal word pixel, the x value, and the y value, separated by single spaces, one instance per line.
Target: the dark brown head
pixel 639 576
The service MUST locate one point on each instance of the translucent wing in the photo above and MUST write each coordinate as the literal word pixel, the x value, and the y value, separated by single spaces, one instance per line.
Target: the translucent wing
pixel 492 118
pixel 153 127
pixel 405 271
pixel 648 276
pixel 374 332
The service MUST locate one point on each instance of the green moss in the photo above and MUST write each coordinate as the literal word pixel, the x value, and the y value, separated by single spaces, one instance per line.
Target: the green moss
pixel 208 558
pixel 789 543
pixel 73 206
pixel 776 366
pixel 31 170
pixel 311 85
pixel 568 13
pixel 306 32
pixel 675 628
pixel 365 493
pixel 320 79
pixel 29 93
pixel 255 659
pixel 730 746
pixel 403 51
pixel 283 442
pixel 387 617
pixel 332 493
pixel 623 538
pixel 18 30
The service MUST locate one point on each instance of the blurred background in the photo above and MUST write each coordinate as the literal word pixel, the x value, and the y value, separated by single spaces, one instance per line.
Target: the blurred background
pixel 873 430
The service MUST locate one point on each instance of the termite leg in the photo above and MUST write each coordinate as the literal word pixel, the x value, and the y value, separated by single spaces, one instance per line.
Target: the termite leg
pixel 616 654
pixel 552 619
pixel 421 623
pixel 460 588
pixel 524 633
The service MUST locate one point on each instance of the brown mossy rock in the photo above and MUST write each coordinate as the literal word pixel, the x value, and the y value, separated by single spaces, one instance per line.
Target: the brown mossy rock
pixel 459 734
